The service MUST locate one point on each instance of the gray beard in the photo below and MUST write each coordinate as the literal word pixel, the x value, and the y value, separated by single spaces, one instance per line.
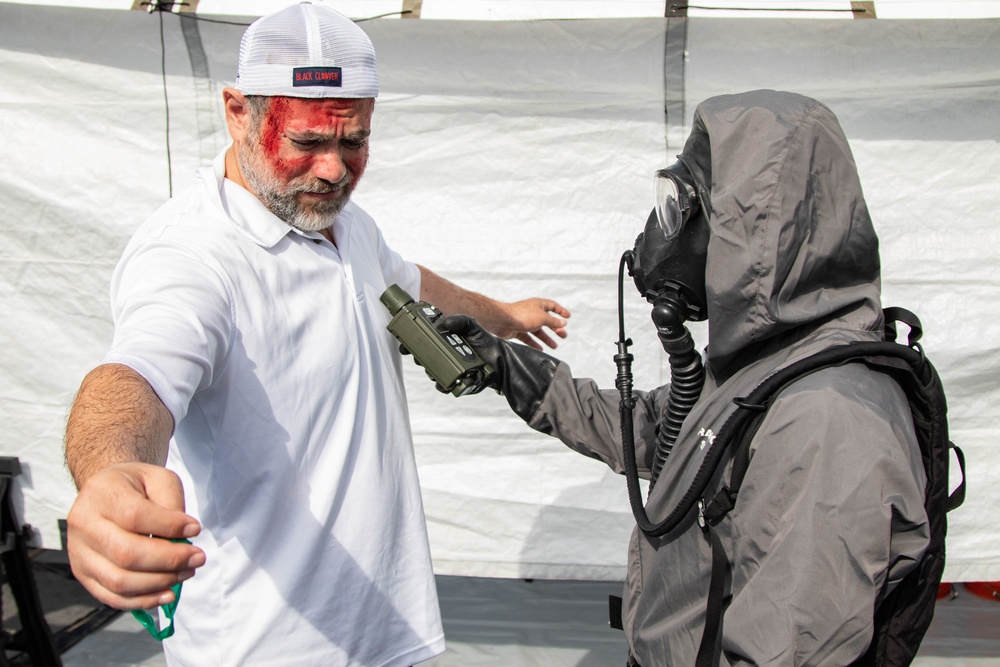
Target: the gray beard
pixel 280 199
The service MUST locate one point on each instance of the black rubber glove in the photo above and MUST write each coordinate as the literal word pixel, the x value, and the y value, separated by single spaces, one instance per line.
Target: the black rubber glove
pixel 523 374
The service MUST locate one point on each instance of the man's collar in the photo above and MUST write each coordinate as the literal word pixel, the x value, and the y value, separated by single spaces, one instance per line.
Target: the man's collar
pixel 247 213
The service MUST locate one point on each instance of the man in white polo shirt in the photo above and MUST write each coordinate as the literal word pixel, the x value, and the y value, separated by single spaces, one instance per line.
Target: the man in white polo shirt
pixel 252 400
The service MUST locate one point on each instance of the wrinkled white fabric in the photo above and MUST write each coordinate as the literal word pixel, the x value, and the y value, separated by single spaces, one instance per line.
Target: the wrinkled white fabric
pixel 292 439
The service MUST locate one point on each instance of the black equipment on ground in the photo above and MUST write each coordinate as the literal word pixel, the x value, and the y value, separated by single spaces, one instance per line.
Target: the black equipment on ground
pixel 448 359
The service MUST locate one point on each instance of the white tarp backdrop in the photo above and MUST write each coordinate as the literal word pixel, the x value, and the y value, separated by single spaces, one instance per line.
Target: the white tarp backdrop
pixel 515 158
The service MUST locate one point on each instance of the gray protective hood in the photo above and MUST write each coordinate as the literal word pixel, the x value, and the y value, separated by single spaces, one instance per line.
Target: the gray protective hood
pixel 792 245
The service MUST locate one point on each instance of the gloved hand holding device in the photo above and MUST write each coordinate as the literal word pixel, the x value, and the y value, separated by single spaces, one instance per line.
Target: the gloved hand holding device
pixel 521 374
pixel 463 358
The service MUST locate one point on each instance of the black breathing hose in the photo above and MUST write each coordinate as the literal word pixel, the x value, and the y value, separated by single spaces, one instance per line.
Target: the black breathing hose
pixel 687 378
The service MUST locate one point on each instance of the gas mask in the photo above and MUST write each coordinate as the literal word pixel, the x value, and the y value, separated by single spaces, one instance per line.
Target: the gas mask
pixel 668 261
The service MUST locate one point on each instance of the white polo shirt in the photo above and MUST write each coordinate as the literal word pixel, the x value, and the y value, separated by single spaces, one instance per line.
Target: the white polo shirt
pixel 292 438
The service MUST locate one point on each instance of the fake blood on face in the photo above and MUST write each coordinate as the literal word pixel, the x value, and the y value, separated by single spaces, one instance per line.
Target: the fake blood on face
pixel 275 123
pixel 320 117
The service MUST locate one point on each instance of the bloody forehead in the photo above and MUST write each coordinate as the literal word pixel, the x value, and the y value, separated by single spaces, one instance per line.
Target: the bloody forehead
pixel 326 116
pixel 310 114
pixel 298 114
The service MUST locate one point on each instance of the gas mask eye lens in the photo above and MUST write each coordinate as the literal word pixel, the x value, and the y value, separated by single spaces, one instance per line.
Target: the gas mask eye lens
pixel 671 204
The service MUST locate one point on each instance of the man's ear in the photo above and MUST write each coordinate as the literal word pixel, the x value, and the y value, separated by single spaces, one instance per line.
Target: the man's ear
pixel 237 114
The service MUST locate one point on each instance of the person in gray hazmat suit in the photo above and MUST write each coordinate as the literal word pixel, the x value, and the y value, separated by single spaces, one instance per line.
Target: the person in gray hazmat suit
pixel 768 237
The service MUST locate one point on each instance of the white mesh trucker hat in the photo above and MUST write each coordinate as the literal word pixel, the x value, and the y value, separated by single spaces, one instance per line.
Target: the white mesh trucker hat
pixel 306 50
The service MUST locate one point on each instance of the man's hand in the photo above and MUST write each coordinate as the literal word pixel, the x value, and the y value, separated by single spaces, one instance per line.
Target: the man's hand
pixel 109 541
pixel 527 320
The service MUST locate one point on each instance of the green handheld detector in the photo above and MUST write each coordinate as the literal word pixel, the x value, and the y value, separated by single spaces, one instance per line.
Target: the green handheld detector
pixel 448 359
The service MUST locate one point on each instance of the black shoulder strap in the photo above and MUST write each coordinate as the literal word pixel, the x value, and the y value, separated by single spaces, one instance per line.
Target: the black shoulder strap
pixel 757 402
pixel 740 430
pixel 919 380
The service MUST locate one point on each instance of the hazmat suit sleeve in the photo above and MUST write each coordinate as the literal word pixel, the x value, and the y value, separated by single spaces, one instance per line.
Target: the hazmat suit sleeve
pixel 586 419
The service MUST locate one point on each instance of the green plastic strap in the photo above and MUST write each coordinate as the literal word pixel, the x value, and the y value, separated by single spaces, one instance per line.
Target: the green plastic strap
pixel 149 623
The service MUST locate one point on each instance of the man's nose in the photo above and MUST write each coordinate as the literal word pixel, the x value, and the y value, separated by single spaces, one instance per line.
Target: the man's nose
pixel 329 166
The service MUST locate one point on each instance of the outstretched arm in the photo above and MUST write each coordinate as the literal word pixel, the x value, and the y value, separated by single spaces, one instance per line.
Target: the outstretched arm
pixel 543 392
pixel 116 444
pixel 525 320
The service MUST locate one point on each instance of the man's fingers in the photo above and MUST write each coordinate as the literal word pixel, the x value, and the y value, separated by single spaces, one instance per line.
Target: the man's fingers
pixel 158 587
pixel 545 338
pixel 552 322
pixel 109 531
pixel 558 309
pixel 144 554
pixel 528 340
pixel 105 547
pixel 138 498
pixel 550 306
pixel 554 307
pixel 130 571
pixel 534 314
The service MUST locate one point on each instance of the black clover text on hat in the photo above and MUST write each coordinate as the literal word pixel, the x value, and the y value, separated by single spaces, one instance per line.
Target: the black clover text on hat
pixel 307 50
